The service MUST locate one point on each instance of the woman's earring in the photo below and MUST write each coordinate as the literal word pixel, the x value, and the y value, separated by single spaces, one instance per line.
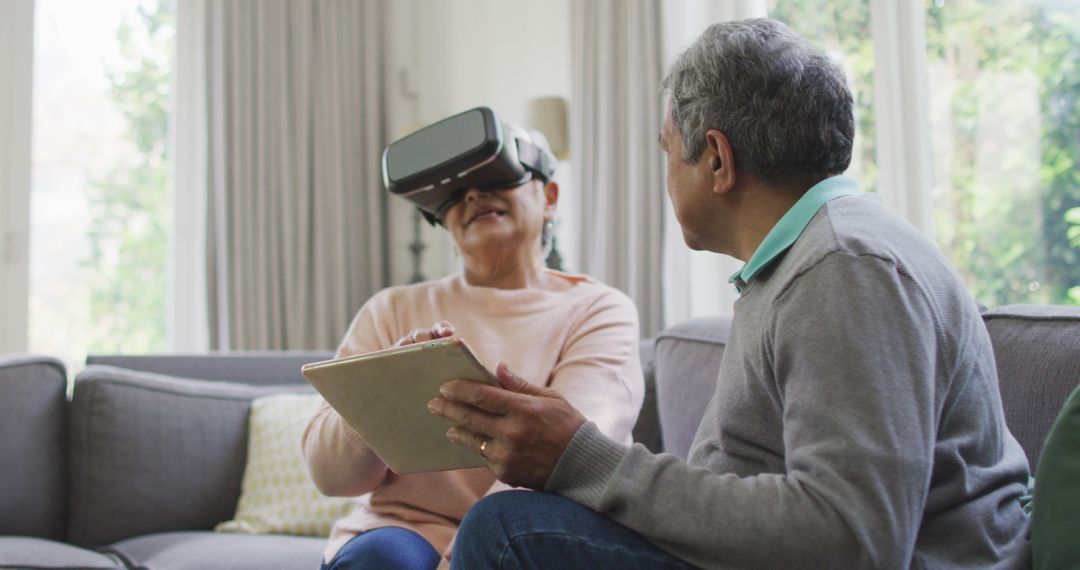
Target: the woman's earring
pixel 547 231
pixel 550 253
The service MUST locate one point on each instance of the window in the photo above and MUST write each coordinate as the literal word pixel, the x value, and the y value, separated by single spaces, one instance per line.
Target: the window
pixel 1004 89
pixel 100 184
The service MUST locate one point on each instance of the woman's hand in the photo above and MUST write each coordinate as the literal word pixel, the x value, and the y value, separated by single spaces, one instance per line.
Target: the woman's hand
pixel 441 329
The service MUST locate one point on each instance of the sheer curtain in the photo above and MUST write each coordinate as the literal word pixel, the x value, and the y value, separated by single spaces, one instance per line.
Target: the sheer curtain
pixel 901 107
pixel 618 167
pixel 295 212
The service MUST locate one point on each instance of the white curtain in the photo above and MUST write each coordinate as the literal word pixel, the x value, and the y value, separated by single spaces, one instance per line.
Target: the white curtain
pixel 901 110
pixel 618 167
pixel 296 235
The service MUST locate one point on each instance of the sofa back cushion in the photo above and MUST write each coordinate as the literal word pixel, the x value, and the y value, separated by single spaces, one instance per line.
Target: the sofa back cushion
pixel 687 365
pixel 33 447
pixel 246 367
pixel 1037 348
pixel 152 453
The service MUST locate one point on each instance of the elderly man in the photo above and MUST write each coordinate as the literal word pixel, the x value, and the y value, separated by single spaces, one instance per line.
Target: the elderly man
pixel 856 421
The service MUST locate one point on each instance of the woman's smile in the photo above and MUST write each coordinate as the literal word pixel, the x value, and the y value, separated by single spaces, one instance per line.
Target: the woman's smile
pixel 484 213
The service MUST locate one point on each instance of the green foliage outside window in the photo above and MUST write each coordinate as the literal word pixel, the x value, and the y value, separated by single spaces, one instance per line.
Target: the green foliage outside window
pixel 130 207
pixel 1012 230
pixel 1008 235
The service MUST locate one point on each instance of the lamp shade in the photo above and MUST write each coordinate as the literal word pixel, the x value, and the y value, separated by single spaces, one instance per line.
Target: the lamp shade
pixel 548 115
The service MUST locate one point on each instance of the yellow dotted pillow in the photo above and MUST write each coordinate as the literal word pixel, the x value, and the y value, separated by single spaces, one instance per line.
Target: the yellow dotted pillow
pixel 276 495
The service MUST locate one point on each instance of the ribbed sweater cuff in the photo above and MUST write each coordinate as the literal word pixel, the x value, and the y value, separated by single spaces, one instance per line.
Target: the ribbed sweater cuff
pixel 586 467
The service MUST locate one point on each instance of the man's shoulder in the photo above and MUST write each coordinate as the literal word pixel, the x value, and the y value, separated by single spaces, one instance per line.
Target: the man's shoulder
pixel 856 249
pixel 856 246
pixel 861 226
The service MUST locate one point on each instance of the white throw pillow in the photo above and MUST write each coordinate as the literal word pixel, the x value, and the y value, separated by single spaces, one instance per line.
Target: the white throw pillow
pixel 276 495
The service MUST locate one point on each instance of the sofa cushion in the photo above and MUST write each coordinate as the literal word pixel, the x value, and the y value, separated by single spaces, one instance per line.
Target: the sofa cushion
pixel 201 550
pixel 33 553
pixel 277 495
pixel 153 453
pixel 687 366
pixel 33 424
pixel 1037 348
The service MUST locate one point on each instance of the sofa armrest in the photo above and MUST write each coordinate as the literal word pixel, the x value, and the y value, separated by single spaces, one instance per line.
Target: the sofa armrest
pixel 33 447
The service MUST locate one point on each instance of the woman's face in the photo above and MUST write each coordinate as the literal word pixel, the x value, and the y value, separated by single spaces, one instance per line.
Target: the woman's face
pixel 497 223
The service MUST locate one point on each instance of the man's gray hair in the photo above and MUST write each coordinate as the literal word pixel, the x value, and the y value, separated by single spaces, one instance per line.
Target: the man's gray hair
pixel 782 104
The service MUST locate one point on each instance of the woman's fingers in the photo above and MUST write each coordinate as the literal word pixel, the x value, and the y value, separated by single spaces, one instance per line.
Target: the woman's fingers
pixel 415 336
pixel 441 329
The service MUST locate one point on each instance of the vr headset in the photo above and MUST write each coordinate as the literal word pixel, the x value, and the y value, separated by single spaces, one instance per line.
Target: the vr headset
pixel 433 167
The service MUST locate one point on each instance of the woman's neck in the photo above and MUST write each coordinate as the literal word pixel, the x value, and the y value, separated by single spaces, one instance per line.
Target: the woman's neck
pixel 512 273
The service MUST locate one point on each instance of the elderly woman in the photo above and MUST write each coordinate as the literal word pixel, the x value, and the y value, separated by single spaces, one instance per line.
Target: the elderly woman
pixel 567 332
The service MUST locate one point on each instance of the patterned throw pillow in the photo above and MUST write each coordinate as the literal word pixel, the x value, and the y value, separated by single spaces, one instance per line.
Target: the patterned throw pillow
pixel 276 495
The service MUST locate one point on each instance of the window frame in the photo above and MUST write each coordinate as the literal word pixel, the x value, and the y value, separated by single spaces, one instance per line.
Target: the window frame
pixel 16 69
pixel 188 329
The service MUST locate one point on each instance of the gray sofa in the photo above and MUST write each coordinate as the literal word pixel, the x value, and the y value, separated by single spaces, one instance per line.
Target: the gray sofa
pixel 147 456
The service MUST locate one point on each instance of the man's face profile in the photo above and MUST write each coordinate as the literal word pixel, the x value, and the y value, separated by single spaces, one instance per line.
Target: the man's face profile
pixel 686 185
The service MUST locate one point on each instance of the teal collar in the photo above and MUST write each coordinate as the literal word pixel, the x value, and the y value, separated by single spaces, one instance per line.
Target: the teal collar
pixel 792 224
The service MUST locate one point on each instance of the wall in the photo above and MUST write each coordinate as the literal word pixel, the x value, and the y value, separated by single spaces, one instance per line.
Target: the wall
pixel 449 56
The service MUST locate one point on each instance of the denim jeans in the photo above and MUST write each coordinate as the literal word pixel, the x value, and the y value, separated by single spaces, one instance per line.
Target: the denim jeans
pixel 387 547
pixel 522 529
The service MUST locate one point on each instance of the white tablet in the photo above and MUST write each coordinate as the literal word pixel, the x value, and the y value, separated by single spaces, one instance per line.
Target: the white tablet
pixel 383 395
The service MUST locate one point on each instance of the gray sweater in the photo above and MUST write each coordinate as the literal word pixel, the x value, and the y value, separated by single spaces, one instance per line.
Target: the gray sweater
pixel 856 421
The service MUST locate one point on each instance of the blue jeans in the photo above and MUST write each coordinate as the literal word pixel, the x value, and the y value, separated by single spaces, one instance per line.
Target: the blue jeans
pixel 522 529
pixel 387 547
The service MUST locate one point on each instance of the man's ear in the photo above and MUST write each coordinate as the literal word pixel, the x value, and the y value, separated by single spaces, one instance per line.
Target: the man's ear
pixel 721 159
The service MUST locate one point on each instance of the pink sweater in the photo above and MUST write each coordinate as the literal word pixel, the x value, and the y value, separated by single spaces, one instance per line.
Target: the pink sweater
pixel 581 340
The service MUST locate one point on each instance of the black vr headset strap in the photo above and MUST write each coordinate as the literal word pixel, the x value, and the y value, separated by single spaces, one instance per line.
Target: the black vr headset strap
pixel 536 160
